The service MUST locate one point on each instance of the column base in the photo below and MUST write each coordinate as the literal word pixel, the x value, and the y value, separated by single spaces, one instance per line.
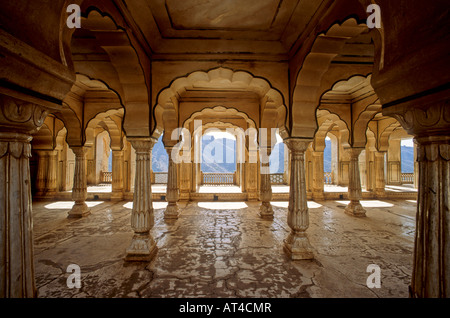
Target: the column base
pixel 354 208
pixel 318 195
pixel 79 210
pixel 171 212
pixel 252 196
pixel 116 196
pixel 266 211
pixel 142 248
pixel 184 196
pixel 380 194
pixel 297 246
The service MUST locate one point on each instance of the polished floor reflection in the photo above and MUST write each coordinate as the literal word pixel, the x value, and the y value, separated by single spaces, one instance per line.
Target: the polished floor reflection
pixel 223 249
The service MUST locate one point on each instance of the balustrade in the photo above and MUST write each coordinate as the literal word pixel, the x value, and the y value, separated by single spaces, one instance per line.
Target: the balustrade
pixel 407 177
pixel 277 178
pixel 218 179
pixel 106 177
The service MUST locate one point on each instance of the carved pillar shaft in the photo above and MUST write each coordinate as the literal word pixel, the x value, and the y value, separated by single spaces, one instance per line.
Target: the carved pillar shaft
pixel 41 172
pixel 318 176
pixel 431 267
pixel 18 120
pixel 354 208
pixel 428 119
pixel 172 192
pixel 265 210
pixel 16 224
pixel 297 245
pixel 117 175
pixel 380 180
pixel 143 246
pixel 52 181
pixel 79 189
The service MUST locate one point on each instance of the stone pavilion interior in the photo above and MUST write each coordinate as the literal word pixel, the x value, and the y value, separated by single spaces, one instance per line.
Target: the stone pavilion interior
pixel 321 106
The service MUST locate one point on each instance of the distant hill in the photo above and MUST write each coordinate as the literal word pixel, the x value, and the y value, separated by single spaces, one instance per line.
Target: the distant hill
pixel 407 154
pixel 327 156
pixel 277 159
pixel 160 159
pixel 224 161
pixel 407 159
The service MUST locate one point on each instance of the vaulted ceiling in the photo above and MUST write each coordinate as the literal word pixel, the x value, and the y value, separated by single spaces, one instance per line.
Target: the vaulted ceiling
pixel 222 26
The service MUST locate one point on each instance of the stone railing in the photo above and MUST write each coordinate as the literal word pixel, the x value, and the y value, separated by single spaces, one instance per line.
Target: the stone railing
pixel 277 178
pixel 407 177
pixel 327 178
pixel 218 179
pixel 106 177
pixel 160 177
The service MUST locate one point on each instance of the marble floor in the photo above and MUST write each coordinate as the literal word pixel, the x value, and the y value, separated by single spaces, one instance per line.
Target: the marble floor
pixel 223 249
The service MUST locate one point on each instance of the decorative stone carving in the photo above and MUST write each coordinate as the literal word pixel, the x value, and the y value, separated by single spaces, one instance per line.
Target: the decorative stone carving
pixel 172 192
pixel 297 245
pixel 354 208
pixel 143 246
pixel 21 115
pixel 79 190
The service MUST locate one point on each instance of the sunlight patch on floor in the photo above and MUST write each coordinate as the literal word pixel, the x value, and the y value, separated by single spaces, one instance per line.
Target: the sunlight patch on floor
pixel 156 205
pixel 222 205
pixel 69 204
pixel 371 203
pixel 285 204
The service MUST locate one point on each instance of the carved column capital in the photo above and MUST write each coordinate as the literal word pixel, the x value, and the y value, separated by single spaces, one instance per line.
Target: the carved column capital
pixel 21 116
pixel 15 144
pixel 354 152
pixel 297 145
pixel 79 151
pixel 142 144
pixel 430 119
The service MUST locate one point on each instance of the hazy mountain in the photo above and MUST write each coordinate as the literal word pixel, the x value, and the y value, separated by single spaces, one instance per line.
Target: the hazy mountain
pixel 327 156
pixel 160 159
pixel 218 155
pixel 407 155
pixel 407 159
pixel 277 159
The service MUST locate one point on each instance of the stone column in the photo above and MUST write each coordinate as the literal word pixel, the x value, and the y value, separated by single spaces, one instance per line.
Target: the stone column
pixel 143 246
pixel 16 223
pixel 41 172
pixel 117 175
pixel 52 172
pixel 318 176
pixel 18 120
pixel 172 192
pixel 297 245
pixel 380 180
pixel 79 190
pixel 354 185
pixel 430 124
pixel 265 191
